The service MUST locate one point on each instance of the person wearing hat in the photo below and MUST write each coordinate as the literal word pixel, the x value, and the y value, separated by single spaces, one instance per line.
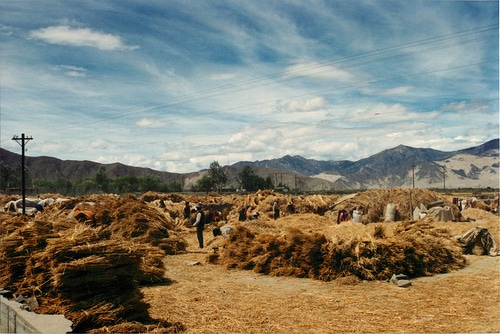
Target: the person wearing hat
pixel 200 224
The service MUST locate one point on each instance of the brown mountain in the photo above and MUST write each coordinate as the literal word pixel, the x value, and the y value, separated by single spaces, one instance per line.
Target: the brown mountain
pixel 475 167
pixel 50 169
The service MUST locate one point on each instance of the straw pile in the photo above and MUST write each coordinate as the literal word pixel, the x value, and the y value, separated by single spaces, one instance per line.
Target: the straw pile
pixel 372 203
pixel 262 202
pixel 416 249
pixel 92 275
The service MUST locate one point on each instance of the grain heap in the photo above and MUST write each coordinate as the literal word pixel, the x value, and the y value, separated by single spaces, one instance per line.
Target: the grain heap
pixel 372 203
pixel 90 274
pixel 416 249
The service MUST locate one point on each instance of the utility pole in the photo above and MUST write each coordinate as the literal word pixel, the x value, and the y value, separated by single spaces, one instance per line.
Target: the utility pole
pixel 413 174
pixel 22 141
pixel 413 187
pixel 444 178
pixel 276 178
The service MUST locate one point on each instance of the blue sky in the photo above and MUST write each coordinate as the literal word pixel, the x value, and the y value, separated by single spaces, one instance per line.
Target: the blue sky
pixel 176 85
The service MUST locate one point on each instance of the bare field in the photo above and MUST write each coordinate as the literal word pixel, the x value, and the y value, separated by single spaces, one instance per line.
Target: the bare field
pixel 136 267
pixel 209 298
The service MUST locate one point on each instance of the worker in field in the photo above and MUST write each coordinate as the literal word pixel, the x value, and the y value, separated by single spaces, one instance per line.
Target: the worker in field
pixel 187 211
pixel 224 230
pixel 199 223
pixel 276 209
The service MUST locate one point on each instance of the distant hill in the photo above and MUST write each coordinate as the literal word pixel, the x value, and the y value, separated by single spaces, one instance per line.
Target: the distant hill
pixel 473 167
pixel 49 168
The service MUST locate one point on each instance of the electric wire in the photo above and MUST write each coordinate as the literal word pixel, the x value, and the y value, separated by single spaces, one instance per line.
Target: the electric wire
pixel 295 73
pixel 369 58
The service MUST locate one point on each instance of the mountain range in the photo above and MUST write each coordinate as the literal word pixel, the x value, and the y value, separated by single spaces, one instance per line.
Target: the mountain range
pixel 401 166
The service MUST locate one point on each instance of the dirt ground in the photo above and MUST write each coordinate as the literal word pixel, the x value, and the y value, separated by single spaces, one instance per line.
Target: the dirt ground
pixel 209 298
pixel 136 266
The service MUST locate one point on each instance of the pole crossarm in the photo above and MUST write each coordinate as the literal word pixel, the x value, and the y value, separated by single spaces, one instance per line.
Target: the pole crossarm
pixel 21 140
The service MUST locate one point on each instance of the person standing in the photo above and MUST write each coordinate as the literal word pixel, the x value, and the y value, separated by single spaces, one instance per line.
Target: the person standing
pixel 276 209
pixel 200 225
pixel 243 214
pixel 187 211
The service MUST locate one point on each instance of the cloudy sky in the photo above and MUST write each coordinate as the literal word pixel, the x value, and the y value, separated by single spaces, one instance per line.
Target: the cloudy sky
pixel 176 85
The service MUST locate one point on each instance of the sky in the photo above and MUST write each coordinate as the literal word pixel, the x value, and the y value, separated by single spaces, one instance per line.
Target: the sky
pixel 175 85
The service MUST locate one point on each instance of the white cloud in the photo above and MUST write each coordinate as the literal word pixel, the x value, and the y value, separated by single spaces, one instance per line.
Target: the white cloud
pixel 222 76
pixel 314 104
pixel 379 113
pixel 65 35
pixel 48 147
pixel 388 113
pixel 320 71
pixel 467 107
pixel 99 144
pixel 75 74
pixel 346 87
pixel 73 71
pixel 6 30
pixel 150 123
pixel 136 160
pixel 397 90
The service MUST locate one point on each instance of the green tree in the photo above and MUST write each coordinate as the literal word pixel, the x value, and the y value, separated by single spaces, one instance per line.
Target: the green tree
pixel 102 180
pixel 149 183
pixel 7 176
pixel 83 187
pixel 268 184
pixel 43 186
pixel 174 186
pixel 62 186
pixel 246 178
pixel 251 181
pixel 218 175
pixel 126 184
pixel 205 183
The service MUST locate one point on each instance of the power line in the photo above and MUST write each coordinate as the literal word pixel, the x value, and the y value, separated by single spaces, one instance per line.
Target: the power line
pixel 329 90
pixel 362 59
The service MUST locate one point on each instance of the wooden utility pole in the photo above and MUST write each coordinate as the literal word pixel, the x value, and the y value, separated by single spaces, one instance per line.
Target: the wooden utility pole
pixel 413 175
pixel 276 178
pixel 444 178
pixel 22 141
pixel 413 187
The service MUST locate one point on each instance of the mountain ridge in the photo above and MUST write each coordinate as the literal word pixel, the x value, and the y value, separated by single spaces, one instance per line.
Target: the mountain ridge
pixel 400 166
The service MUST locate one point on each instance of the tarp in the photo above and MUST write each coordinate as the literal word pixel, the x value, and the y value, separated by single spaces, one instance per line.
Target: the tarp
pixel 441 214
pixel 419 212
pixel 478 236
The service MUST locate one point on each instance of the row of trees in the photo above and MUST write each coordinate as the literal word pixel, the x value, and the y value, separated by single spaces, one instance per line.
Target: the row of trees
pixel 217 178
pixel 101 183
pixel 214 180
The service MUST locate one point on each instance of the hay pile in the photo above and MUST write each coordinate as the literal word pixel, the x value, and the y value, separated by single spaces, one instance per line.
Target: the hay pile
pixel 490 205
pixel 92 275
pixel 373 203
pixel 416 249
pixel 262 202
pixel 230 205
